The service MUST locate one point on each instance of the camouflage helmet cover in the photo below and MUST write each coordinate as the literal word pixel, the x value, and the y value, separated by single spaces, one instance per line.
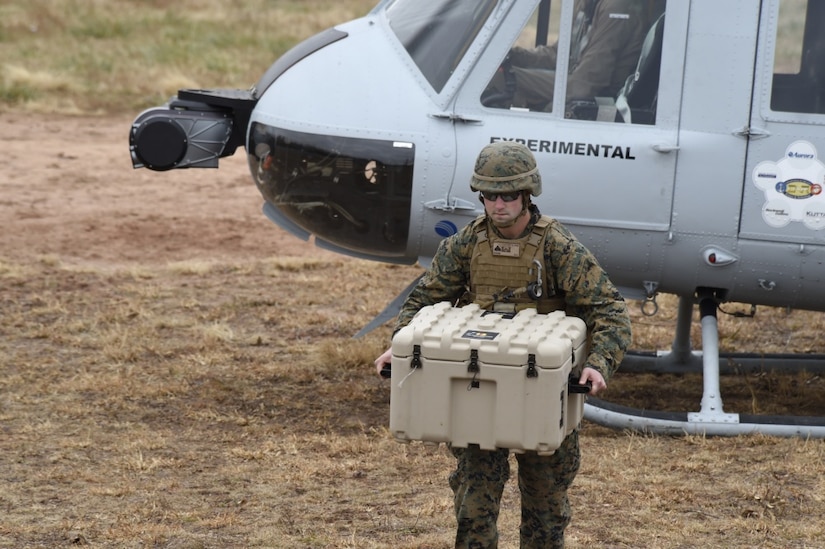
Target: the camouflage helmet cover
pixel 506 166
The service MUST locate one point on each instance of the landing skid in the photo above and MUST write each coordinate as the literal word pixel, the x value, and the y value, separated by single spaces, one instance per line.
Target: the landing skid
pixel 711 419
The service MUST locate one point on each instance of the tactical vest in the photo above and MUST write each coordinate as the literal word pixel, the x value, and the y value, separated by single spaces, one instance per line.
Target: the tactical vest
pixel 508 275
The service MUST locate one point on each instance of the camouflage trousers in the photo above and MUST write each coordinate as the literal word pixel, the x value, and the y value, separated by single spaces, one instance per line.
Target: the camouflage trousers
pixel 478 482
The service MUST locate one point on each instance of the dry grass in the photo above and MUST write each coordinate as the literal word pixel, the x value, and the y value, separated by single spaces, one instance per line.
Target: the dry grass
pixel 226 405
pixel 94 56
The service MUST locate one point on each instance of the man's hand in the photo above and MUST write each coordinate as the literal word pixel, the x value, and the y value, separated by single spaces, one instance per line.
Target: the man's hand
pixel 595 378
pixel 385 358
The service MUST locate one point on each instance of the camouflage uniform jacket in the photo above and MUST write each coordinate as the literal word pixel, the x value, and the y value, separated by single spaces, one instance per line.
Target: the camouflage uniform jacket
pixel 588 292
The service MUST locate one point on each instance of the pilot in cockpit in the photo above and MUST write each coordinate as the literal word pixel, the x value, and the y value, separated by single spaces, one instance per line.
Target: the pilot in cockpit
pixel 607 38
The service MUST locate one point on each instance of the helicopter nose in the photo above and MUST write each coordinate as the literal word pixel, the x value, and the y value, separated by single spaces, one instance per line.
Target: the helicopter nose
pixel 353 194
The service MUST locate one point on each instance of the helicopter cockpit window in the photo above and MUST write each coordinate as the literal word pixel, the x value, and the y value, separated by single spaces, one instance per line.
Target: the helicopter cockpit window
pixel 613 68
pixel 437 33
pixel 526 78
pixel 799 58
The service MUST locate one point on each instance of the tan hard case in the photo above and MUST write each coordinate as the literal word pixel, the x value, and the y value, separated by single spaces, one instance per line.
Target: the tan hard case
pixel 463 376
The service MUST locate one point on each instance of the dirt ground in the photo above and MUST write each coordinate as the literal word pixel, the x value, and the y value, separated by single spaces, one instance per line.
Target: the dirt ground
pixel 68 191
pixel 172 408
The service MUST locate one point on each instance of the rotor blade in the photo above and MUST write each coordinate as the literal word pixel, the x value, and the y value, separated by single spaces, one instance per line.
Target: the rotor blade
pixel 390 311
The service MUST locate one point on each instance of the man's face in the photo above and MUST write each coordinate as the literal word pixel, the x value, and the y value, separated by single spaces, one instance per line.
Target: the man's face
pixel 503 209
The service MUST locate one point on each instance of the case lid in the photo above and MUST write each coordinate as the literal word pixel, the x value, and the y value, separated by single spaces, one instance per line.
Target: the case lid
pixel 444 332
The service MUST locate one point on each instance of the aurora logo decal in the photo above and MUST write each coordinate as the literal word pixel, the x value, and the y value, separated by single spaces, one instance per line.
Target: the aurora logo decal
pixel 793 187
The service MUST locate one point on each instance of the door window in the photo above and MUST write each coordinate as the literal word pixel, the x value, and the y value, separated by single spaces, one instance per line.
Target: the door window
pixel 612 69
pixel 799 58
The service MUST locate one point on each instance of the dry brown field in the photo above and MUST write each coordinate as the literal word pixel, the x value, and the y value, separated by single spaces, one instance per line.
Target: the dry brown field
pixel 177 372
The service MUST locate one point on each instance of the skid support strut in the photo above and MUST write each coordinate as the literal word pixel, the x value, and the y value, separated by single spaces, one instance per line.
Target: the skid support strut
pixel 711 411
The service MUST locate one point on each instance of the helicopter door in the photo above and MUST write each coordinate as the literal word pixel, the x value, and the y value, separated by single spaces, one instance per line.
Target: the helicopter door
pixel 582 89
pixel 783 199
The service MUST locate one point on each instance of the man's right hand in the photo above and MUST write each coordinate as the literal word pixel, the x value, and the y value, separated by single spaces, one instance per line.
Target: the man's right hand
pixel 384 359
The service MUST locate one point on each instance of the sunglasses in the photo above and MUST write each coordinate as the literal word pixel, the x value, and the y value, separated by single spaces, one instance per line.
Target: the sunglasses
pixel 507 197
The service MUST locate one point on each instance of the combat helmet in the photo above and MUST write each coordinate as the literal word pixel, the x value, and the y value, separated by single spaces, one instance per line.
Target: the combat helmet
pixel 504 167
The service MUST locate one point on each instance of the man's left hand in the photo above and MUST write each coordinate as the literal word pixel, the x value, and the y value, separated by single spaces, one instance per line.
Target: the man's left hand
pixel 598 384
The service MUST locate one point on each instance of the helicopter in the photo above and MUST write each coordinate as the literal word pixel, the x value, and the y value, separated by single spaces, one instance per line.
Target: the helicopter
pixel 696 172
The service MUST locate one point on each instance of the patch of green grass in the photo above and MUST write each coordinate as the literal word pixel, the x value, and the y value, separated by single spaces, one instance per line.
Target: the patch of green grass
pixel 16 94
pixel 126 55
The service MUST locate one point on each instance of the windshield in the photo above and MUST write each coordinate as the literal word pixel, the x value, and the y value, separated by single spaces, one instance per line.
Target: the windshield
pixel 438 33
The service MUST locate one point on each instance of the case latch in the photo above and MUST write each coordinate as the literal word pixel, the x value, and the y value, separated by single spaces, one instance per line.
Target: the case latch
pixel 531 366
pixel 416 358
pixel 473 369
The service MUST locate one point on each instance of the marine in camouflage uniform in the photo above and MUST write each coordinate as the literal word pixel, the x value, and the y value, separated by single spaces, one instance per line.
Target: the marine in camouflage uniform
pixel 506 172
